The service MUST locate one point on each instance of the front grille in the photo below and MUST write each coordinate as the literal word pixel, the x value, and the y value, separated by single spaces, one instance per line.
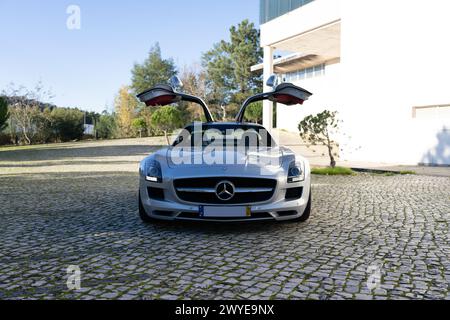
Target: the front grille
pixel 248 190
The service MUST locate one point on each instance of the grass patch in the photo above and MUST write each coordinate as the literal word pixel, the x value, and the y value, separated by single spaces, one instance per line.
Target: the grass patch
pixel 407 172
pixel 336 171
pixel 395 173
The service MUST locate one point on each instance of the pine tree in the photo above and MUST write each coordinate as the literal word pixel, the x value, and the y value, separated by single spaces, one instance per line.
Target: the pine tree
pixel 154 70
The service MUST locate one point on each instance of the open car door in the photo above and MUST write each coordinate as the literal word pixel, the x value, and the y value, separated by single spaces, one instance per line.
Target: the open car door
pixel 162 95
pixel 285 93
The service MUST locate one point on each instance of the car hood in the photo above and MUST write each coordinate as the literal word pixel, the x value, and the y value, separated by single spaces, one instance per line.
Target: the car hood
pixel 184 159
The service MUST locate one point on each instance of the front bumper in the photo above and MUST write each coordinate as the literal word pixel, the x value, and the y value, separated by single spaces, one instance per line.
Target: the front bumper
pixel 279 211
pixel 276 209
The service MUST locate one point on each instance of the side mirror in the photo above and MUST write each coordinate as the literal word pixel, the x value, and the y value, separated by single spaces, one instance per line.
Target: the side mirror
pixel 176 83
pixel 272 81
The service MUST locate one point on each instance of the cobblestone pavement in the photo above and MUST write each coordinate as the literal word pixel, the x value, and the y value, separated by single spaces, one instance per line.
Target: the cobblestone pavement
pixel 361 225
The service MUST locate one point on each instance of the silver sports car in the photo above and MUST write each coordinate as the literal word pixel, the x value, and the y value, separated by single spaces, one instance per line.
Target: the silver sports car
pixel 225 172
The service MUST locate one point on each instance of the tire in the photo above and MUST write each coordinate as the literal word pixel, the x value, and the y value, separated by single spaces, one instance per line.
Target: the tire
pixel 307 212
pixel 142 213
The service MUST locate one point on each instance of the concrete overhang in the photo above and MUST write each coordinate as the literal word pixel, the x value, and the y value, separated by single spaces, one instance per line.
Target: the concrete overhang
pixel 324 41
pixel 312 31
pixel 310 17
pixel 295 62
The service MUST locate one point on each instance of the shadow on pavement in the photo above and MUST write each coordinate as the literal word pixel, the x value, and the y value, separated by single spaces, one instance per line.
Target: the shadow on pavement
pixel 58 153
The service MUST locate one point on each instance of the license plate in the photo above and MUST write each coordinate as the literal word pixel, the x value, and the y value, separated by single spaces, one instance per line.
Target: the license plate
pixel 225 212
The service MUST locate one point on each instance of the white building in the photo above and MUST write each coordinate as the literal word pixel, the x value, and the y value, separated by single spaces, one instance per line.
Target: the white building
pixel 89 129
pixel 383 65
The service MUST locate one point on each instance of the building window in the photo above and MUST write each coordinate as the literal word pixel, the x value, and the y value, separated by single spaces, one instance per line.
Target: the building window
pixel 319 70
pixel 307 73
pixel 271 9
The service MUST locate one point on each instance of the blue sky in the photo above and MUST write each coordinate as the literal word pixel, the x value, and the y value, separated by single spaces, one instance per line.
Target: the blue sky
pixel 85 68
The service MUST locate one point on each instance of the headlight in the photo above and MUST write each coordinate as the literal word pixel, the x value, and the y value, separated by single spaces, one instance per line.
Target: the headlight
pixel 152 171
pixel 296 172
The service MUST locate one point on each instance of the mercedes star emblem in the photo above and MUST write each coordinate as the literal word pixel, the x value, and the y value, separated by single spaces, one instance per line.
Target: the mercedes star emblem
pixel 225 190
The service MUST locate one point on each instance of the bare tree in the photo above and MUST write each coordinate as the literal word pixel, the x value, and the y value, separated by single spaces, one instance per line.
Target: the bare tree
pixel 26 107
pixel 194 82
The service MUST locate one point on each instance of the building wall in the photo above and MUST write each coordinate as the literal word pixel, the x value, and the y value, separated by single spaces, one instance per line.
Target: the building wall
pixel 394 57
pixel 326 95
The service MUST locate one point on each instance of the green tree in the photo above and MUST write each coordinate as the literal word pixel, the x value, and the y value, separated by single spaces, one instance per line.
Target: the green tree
pixel 146 114
pixel 219 74
pixel 154 70
pixel 167 118
pixel 228 66
pixel 254 112
pixel 245 51
pixel 106 126
pixel 139 125
pixel 67 123
pixel 4 114
pixel 318 130
pixel 46 132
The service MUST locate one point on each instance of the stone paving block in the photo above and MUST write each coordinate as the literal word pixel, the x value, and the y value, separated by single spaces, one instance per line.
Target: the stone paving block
pixel 89 219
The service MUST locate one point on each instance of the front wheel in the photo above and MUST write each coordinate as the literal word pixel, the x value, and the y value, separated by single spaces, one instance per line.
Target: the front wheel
pixel 142 213
pixel 307 212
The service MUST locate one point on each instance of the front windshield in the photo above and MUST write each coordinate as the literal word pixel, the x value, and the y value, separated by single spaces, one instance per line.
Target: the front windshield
pixel 224 135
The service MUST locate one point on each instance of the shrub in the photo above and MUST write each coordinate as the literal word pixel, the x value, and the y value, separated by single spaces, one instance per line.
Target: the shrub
pixel 167 119
pixel 5 139
pixel 254 112
pixel 67 124
pixel 318 130
pixel 106 127
pixel 4 114
pixel 139 125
